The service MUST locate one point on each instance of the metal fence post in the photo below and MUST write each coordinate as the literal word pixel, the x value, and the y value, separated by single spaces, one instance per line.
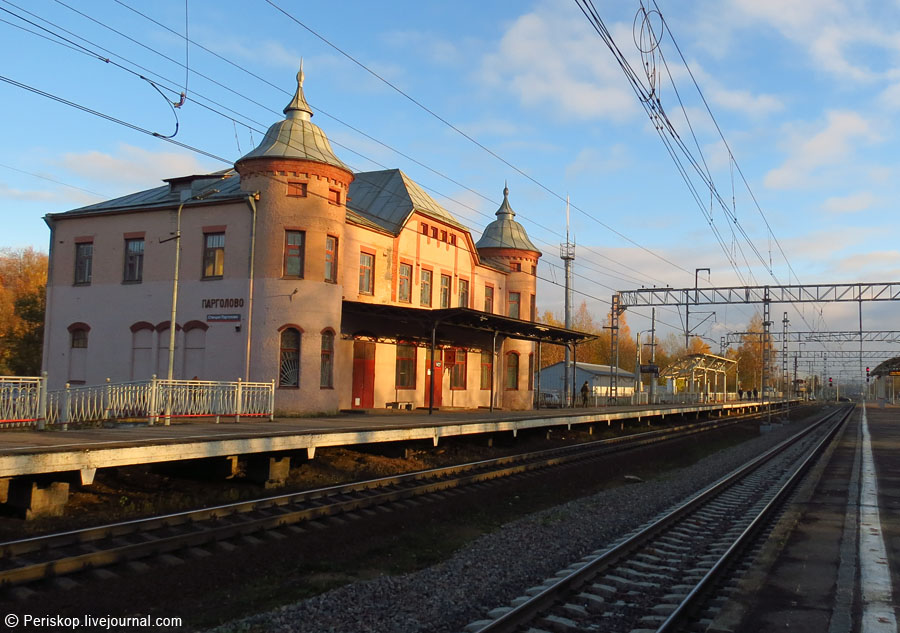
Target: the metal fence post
pixel 64 414
pixel 239 400
pixel 272 402
pixel 108 396
pixel 154 401
pixel 42 413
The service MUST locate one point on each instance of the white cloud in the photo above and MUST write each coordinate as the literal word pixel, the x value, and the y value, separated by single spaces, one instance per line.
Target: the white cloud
pixel 25 194
pixel 833 144
pixel 833 33
pixel 428 44
pixel 853 203
pixel 550 59
pixel 590 160
pixel 132 166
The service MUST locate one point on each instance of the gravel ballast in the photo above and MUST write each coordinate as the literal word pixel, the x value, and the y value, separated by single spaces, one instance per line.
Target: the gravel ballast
pixel 498 567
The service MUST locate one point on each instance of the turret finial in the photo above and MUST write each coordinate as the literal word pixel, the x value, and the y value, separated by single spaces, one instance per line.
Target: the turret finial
pixel 298 108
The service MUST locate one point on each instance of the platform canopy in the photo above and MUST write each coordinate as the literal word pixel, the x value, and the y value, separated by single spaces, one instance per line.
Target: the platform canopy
pixel 686 366
pixel 454 327
pixel 890 367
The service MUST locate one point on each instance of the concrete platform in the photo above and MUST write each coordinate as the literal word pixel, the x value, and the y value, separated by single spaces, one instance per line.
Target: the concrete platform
pixel 24 453
pixel 839 569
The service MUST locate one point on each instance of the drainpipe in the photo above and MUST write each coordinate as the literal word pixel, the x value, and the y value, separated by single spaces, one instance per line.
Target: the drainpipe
pixel 431 371
pixel 48 301
pixel 493 366
pixel 538 399
pixel 251 201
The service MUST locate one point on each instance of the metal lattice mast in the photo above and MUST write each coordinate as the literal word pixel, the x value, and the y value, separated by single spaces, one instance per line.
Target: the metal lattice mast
pixel 784 366
pixel 614 312
pixel 767 325
pixel 567 254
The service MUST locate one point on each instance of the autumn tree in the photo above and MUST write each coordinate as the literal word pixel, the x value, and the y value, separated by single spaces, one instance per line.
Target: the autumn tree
pixel 750 355
pixel 23 279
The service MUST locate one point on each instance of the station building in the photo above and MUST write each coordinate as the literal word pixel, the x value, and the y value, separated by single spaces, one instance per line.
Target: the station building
pixel 339 286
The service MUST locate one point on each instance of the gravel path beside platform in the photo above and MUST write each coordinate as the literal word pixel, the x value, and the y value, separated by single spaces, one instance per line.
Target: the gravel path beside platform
pixel 497 567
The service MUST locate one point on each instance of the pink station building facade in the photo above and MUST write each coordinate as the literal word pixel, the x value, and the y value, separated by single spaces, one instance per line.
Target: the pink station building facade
pixel 283 260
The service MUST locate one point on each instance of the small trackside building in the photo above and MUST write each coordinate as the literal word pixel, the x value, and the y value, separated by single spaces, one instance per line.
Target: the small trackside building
pixel 279 259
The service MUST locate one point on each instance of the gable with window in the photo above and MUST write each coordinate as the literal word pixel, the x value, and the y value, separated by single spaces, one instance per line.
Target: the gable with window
pixel 84 258
pixel 134 260
pixel 366 273
pixel 445 291
pixel 463 293
pixel 456 361
pixel 294 253
pixel 406 366
pixel 425 288
pixel 213 255
pixel 404 283
pixel 331 259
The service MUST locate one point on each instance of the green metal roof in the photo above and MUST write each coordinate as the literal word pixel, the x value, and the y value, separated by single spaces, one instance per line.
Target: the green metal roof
pixel 505 232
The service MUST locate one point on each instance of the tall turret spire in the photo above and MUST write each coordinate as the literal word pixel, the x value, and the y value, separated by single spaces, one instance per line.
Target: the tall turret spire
pixel 505 210
pixel 298 108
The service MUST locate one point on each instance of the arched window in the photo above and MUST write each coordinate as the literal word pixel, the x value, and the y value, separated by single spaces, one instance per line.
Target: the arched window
pixel 289 366
pixel 512 370
pixel 326 381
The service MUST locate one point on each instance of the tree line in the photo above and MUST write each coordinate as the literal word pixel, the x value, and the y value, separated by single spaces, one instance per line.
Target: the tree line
pixel 23 282
pixel 669 349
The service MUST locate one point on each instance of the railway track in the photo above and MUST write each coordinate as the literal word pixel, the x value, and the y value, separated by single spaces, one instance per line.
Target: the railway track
pixel 658 578
pixel 31 560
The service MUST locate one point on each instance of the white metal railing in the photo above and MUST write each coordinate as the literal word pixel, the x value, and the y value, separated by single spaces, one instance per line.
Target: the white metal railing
pixel 26 402
pixel 22 400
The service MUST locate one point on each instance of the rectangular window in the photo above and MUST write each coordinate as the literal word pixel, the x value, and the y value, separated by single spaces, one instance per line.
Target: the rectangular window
pixel 457 362
pixel 334 196
pixel 331 253
pixel 489 299
pixel 452 240
pixel 134 260
pixel 533 307
pixel 516 267
pixel 443 236
pixel 404 284
pixel 463 293
pixel 445 291
pixel 213 255
pixel 84 256
pixel 294 253
pixel 406 366
pixel 425 288
pixel 424 229
pixel 531 372
pixel 512 370
pixel 434 232
pixel 487 369
pixel 297 189
pixel 326 374
pixel 366 273
pixel 514 300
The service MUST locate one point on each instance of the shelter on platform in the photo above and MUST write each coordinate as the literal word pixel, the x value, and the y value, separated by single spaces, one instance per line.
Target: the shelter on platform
pixel 598 378
pixel 700 378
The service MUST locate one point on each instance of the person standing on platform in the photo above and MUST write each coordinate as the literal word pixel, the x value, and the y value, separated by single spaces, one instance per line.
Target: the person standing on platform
pixel 584 393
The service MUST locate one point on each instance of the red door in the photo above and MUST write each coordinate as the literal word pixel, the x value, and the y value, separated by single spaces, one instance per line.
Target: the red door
pixel 438 371
pixel 363 375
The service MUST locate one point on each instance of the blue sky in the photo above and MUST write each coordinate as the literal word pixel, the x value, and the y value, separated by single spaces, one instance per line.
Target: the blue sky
pixel 805 93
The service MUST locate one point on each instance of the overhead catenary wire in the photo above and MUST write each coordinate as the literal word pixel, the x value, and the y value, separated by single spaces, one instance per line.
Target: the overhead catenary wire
pixel 319 110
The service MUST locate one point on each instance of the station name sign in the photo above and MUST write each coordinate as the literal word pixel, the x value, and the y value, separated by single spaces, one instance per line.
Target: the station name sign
pixel 235 302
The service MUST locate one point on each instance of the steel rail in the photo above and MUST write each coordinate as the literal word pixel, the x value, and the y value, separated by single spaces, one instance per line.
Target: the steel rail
pixel 526 612
pixel 695 597
pixel 231 520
